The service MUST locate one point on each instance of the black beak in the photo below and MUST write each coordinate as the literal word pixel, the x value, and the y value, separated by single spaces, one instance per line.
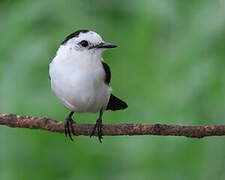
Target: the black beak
pixel 104 45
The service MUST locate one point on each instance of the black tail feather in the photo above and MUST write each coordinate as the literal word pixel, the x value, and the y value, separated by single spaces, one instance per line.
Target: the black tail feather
pixel 116 103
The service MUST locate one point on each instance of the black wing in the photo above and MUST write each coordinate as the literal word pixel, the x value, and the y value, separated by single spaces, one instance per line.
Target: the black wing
pixel 107 72
pixel 116 104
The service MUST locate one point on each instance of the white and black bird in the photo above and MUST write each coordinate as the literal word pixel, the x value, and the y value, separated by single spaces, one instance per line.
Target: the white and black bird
pixel 80 78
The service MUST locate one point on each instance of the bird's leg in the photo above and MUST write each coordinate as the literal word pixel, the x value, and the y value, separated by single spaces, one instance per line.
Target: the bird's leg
pixel 98 125
pixel 69 126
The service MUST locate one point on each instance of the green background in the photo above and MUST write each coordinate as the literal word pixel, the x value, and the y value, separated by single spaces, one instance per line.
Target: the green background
pixel 169 68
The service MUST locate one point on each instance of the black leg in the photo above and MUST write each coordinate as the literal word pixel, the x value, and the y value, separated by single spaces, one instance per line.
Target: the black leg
pixel 69 126
pixel 98 126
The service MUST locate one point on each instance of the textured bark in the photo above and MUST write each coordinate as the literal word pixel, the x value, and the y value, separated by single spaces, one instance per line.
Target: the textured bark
pixel 47 124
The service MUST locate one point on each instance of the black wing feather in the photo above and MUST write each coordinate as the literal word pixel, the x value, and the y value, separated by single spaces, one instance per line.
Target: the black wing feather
pixel 107 72
pixel 116 104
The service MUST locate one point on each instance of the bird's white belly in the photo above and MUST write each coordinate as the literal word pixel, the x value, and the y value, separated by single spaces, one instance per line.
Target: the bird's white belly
pixel 81 90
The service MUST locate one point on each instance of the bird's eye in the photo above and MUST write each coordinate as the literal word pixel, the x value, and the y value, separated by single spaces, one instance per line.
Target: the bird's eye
pixel 84 43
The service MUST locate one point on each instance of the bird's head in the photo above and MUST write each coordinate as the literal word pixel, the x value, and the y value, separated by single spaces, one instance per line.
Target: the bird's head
pixel 85 41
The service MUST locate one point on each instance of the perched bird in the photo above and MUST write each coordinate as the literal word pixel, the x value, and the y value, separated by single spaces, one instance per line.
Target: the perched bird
pixel 80 78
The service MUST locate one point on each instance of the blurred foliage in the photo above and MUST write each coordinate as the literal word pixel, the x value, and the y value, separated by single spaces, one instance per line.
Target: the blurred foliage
pixel 169 67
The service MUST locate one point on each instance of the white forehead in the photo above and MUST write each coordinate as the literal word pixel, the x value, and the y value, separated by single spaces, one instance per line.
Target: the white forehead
pixel 89 36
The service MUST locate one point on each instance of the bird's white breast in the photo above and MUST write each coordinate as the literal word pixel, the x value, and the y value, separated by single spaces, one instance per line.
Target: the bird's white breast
pixel 78 81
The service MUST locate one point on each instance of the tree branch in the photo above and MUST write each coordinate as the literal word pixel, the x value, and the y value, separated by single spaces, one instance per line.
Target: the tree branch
pixel 47 124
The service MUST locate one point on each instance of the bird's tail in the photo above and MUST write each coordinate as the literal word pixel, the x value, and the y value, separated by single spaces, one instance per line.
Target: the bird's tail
pixel 116 103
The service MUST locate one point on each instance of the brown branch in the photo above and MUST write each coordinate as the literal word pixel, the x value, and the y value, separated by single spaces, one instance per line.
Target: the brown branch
pixel 47 124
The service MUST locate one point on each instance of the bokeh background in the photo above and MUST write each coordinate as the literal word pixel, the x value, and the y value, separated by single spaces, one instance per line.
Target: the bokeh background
pixel 169 67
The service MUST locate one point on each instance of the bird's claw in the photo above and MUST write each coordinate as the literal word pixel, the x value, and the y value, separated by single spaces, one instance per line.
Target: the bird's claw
pixel 98 126
pixel 69 128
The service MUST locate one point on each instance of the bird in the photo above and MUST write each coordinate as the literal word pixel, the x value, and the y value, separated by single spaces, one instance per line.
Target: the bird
pixel 80 78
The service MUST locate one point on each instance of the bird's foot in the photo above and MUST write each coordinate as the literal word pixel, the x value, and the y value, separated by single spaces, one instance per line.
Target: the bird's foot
pixel 69 127
pixel 98 126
